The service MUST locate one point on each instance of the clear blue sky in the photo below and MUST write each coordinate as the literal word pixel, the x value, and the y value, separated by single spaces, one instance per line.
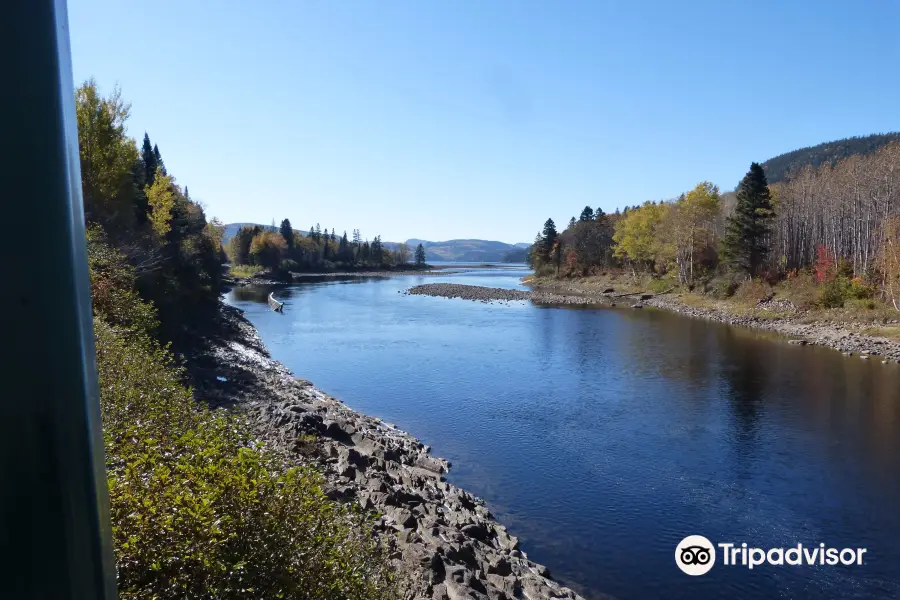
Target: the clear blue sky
pixel 439 119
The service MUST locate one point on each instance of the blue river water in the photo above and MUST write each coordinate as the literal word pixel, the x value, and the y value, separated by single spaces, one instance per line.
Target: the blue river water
pixel 604 436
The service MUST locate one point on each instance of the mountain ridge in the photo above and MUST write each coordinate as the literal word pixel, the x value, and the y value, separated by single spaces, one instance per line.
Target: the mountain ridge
pixel 461 249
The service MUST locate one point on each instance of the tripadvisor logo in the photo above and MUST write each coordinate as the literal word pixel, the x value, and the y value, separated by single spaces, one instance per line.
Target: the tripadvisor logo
pixel 696 555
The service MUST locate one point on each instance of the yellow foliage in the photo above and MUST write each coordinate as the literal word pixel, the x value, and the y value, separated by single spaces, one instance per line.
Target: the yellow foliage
pixel 161 200
pixel 636 234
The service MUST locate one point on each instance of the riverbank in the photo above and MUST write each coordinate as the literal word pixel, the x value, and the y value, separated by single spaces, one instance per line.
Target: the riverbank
pixel 853 337
pixel 444 539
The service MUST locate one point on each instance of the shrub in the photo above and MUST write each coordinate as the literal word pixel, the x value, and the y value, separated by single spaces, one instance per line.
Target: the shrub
pixel 721 287
pixel 200 510
pixel 834 293
pixel 288 265
pixel 753 291
pixel 859 289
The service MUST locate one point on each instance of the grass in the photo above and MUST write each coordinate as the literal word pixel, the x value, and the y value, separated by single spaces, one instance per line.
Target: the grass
pixel 243 270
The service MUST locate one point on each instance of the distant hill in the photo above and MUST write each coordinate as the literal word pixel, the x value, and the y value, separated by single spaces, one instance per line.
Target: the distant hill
pixel 232 228
pixel 779 167
pixel 467 250
pixel 451 250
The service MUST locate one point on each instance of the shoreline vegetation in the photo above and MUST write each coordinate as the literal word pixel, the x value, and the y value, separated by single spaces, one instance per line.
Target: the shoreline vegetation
pixel 445 541
pixel 229 478
pixel 842 330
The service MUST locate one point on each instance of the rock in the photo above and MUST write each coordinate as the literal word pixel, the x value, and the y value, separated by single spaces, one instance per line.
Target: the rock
pixel 609 291
pixel 637 306
pixel 475 531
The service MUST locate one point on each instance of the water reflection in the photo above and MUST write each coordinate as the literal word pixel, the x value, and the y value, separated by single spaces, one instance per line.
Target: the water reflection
pixel 631 427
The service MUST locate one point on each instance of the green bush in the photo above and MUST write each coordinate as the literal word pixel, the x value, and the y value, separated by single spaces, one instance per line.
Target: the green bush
pixel 198 508
pixel 200 511
pixel 288 265
pixel 834 293
pixel 722 287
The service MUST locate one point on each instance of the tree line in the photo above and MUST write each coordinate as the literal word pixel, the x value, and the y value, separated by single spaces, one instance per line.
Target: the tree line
pixel 838 222
pixel 285 249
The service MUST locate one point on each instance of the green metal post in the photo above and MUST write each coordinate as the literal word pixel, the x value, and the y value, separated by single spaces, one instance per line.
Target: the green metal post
pixel 55 540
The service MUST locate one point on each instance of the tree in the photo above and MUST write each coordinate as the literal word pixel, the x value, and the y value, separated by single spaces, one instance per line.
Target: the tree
pixel 745 245
pixel 549 239
pixel 890 261
pixel 267 249
pixel 287 232
pixel 239 245
pixel 344 251
pixel 107 156
pixel 587 214
pixel 149 160
pixel 571 224
pixel 318 234
pixel 377 250
pixel 159 161
pixel 403 253
pixel 692 226
pixel 636 234
pixel 161 200
pixel 420 255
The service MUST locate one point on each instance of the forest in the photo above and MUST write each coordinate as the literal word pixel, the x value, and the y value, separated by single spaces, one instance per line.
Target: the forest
pixel 835 226
pixel 199 507
pixel 781 167
pixel 283 250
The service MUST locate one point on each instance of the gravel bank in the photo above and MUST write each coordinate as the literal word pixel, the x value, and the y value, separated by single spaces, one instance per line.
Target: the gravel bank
pixel 847 338
pixel 468 292
pixel 446 539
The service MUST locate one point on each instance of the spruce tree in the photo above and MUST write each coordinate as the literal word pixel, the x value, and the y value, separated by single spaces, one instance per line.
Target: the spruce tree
pixel 587 214
pixel 149 160
pixel 287 232
pixel 159 161
pixel 744 247
pixel 420 255
pixel 571 223
pixel 549 238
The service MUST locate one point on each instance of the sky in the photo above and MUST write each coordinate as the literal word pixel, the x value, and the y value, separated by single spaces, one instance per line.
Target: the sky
pixel 439 119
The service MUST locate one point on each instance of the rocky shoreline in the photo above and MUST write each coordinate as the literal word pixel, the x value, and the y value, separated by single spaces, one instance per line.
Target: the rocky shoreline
pixel 444 538
pixel 847 338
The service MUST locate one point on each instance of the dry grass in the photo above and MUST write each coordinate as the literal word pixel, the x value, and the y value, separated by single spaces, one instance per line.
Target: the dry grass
pixel 887 331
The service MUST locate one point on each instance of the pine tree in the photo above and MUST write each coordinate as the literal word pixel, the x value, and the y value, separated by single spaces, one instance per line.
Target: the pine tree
pixel 549 238
pixel 149 160
pixel 745 245
pixel 420 255
pixel 287 232
pixel 311 232
pixel 318 235
pixel 587 214
pixel 159 161
pixel 333 238
pixel 377 250
pixel 571 223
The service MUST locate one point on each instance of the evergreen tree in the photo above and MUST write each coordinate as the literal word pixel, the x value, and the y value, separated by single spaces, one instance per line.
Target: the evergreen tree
pixel 377 250
pixel 159 161
pixel 571 223
pixel 333 238
pixel 550 237
pixel 344 252
pixel 287 232
pixel 318 235
pixel 587 214
pixel 311 232
pixel 745 245
pixel 324 239
pixel 420 255
pixel 149 160
pixel 365 252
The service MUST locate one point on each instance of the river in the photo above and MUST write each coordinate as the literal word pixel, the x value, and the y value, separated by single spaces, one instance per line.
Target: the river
pixel 604 436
